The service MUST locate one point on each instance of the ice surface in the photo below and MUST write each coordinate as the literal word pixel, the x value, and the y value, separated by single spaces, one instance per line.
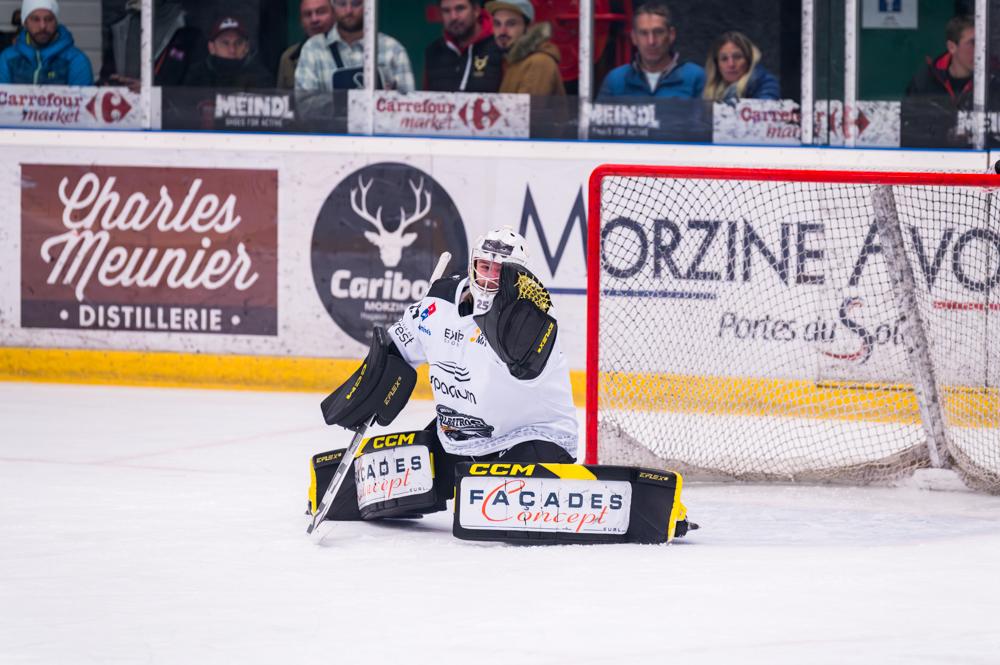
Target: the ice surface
pixel 167 526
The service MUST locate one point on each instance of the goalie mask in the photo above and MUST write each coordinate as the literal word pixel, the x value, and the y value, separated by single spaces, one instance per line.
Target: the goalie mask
pixel 490 252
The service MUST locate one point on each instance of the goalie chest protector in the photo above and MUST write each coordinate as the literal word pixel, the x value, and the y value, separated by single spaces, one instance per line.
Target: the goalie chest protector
pixel 480 407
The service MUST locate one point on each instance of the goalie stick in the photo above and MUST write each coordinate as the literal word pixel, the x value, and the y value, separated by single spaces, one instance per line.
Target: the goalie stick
pixel 359 432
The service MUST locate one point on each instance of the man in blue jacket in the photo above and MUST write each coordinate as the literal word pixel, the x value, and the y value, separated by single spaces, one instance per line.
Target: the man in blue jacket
pixel 43 53
pixel 656 71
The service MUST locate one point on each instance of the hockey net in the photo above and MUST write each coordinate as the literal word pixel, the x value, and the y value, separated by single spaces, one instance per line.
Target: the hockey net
pixel 794 325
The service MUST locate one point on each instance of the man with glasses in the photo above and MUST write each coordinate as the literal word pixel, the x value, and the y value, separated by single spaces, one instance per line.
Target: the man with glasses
pixel 657 70
pixel 335 60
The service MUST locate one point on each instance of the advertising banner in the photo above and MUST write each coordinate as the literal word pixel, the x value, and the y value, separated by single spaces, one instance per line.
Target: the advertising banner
pixel 177 249
pixel 652 120
pixel 256 111
pixel 442 114
pixel 875 125
pixel 66 106
pixel 149 249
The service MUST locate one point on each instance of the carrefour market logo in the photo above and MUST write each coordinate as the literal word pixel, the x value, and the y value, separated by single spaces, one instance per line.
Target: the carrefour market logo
pixel 376 241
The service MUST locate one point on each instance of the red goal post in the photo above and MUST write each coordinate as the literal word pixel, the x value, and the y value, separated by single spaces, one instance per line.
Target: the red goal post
pixel 758 324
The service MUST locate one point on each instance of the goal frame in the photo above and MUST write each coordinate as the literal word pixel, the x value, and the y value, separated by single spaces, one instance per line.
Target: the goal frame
pixel 715 173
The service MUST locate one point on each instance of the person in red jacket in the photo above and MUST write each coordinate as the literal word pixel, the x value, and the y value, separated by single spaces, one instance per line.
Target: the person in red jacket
pixel 950 74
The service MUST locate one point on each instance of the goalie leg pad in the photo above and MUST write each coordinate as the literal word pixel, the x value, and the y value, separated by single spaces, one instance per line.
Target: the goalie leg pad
pixel 395 475
pixel 392 475
pixel 567 503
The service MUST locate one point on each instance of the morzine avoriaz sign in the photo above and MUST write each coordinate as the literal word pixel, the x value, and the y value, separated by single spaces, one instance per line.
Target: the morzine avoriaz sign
pixel 170 250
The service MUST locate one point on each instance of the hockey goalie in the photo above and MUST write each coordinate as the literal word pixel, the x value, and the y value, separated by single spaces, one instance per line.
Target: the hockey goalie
pixel 503 443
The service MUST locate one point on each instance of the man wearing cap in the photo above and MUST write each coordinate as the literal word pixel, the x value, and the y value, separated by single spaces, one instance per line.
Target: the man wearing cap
pixel 335 60
pixel 531 60
pixel 230 64
pixel 43 53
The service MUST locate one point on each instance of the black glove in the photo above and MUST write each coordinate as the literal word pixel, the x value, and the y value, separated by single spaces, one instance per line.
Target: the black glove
pixel 518 326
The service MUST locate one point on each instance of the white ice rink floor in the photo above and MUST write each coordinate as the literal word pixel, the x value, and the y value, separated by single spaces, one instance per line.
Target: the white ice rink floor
pixel 167 526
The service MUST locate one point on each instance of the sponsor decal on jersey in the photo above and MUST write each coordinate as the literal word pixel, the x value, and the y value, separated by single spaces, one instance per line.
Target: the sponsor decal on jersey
pixel 478 337
pixel 453 337
pixel 454 370
pixel 391 472
pixel 402 335
pixel 545 504
pixel 429 311
pixel 454 392
pixel 376 240
pixel 462 427
pixel 426 331
pixel 414 311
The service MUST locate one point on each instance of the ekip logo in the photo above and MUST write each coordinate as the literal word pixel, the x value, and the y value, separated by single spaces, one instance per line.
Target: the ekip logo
pixel 375 242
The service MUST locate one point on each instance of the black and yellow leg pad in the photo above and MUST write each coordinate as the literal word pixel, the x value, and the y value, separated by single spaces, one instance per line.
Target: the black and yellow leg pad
pixel 567 503
pixel 392 476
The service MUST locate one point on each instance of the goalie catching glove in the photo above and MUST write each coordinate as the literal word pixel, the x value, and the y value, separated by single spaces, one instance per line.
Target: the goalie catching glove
pixel 380 387
pixel 518 326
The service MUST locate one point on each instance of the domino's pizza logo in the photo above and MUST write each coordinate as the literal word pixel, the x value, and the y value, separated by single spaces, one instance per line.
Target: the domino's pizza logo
pixel 376 241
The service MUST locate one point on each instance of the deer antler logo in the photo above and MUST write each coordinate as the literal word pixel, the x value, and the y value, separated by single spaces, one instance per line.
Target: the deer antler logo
pixel 391 243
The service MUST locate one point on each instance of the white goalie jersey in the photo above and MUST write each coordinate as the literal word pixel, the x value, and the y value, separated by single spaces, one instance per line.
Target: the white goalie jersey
pixel 480 407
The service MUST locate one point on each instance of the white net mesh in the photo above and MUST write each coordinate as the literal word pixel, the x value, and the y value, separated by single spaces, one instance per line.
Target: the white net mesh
pixel 749 329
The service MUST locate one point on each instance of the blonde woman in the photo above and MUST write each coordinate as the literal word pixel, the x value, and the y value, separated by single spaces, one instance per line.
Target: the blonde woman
pixel 733 71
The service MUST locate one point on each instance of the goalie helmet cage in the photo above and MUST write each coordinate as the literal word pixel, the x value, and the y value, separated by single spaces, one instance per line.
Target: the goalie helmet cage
pixel 778 325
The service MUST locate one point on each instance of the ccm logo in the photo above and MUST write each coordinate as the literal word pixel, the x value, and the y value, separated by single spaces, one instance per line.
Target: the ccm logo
pixel 483 469
pixel 393 440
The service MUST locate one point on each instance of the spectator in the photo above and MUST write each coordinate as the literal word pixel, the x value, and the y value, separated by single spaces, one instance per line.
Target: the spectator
pixel 7 38
pixel 43 52
pixel 230 64
pixel 656 70
pixel 176 46
pixel 336 59
pixel 531 60
pixel 949 75
pixel 733 71
pixel 466 58
pixel 316 17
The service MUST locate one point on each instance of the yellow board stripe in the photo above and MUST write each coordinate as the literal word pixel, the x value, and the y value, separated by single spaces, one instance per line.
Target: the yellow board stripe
pixel 872 402
pixel 183 370
pixel 571 471
pixel 836 400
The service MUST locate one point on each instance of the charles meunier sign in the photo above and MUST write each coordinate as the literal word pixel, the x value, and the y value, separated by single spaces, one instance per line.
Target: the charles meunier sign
pixel 149 249
pixel 376 241
pixel 64 106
